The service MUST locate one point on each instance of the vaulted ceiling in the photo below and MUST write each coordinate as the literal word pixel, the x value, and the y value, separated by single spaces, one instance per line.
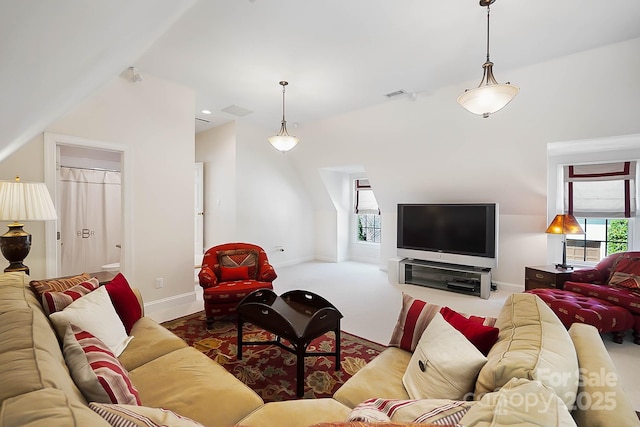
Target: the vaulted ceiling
pixel 338 55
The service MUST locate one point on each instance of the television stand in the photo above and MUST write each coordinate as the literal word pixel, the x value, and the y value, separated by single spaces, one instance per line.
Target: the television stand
pixel 451 277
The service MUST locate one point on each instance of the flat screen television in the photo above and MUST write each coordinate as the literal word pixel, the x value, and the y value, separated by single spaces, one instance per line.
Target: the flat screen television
pixel 459 233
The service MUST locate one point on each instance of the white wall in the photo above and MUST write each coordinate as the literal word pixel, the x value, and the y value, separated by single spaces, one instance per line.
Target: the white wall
pixel 154 119
pixel 263 201
pixel 216 148
pixel 431 150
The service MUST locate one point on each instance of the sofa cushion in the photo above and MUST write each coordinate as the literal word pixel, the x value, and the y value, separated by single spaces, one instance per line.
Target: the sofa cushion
pixel 382 377
pixel 532 344
pixel 444 365
pixel 124 301
pixel 57 285
pixel 296 413
pixel 94 313
pixel 149 341
pixel 413 319
pixel 140 416
pixel 53 301
pixel 627 298
pixel 601 400
pixel 520 402
pixel 46 408
pixel 178 379
pixel 95 370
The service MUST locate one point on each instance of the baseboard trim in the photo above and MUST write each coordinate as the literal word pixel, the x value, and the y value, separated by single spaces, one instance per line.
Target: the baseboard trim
pixel 170 302
pixel 509 287
pixel 291 262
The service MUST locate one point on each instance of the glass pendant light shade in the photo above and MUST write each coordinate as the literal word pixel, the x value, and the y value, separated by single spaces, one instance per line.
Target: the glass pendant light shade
pixel 490 96
pixel 283 141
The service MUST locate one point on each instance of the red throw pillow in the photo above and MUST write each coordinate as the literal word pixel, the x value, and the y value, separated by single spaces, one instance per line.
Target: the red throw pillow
pixel 483 337
pixel 228 274
pixel 124 301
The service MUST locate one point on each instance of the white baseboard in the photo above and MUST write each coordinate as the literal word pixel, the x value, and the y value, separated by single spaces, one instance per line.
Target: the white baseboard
pixel 509 287
pixel 170 302
pixel 290 262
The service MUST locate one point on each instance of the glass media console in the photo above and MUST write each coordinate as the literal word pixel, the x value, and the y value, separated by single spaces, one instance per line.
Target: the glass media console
pixel 450 277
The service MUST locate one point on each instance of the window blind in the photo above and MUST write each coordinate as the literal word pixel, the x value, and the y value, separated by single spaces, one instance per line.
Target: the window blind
pixel 605 190
pixel 365 202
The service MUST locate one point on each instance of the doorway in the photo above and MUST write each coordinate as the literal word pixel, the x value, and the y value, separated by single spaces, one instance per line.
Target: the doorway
pixel 89 209
pixel 87 181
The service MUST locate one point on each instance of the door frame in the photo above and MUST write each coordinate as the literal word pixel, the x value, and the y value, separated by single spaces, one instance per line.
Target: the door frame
pixel 51 142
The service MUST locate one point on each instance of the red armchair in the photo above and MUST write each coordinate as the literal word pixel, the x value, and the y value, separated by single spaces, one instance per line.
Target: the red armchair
pixel 615 279
pixel 230 272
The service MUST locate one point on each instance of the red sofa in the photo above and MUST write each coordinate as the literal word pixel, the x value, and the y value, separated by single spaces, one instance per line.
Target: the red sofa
pixel 616 280
pixel 229 273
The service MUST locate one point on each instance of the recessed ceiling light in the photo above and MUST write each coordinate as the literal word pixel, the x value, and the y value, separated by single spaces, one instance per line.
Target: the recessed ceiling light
pixel 206 112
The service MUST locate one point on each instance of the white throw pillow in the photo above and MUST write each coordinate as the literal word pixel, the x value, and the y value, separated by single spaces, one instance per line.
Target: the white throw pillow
pixel 94 313
pixel 444 364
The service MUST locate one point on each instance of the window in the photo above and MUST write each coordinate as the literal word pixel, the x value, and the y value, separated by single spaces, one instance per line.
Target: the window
pixel 601 196
pixel 368 224
pixel 603 237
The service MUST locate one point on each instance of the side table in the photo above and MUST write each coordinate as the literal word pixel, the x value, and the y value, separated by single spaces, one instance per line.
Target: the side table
pixel 545 276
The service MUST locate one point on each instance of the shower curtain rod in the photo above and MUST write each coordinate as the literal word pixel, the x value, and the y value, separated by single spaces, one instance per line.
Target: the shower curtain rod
pixel 91 169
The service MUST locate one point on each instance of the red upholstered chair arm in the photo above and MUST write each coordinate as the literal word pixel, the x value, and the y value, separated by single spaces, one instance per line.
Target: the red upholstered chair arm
pixel 267 273
pixel 589 275
pixel 207 278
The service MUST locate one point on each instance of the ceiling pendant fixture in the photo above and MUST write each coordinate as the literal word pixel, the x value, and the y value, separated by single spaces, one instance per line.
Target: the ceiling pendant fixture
pixel 283 141
pixel 490 96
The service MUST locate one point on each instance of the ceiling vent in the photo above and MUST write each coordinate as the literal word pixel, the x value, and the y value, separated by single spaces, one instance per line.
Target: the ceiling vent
pixel 202 120
pixel 237 111
pixel 396 93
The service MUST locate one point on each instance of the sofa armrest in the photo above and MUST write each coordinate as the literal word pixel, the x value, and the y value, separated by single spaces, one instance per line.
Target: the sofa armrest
pixel 138 295
pixel 601 399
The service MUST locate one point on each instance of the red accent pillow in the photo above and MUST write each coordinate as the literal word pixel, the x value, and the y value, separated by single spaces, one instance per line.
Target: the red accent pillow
pixel 124 301
pixel 483 337
pixel 228 274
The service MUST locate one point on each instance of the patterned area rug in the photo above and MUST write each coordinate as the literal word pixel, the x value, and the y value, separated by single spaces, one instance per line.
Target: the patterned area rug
pixel 269 369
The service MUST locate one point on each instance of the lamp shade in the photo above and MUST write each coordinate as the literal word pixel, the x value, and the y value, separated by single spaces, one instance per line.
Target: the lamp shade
pixel 564 224
pixel 488 99
pixel 25 201
pixel 283 143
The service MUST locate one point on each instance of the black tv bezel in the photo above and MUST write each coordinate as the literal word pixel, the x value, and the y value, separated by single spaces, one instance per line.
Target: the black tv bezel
pixel 476 259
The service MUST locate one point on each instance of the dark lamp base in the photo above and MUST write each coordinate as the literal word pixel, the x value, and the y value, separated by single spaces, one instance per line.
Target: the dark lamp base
pixel 15 245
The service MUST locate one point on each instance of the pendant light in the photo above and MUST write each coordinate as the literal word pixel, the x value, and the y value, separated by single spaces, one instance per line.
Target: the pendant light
pixel 490 96
pixel 283 141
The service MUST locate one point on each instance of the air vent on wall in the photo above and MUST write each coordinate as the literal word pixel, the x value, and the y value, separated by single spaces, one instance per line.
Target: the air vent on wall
pixel 237 110
pixel 396 93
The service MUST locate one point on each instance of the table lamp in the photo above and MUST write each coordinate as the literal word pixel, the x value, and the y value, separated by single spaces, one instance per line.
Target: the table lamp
pixel 564 224
pixel 22 201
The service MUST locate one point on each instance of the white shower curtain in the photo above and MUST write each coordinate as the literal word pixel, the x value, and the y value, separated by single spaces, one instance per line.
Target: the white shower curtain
pixel 90 219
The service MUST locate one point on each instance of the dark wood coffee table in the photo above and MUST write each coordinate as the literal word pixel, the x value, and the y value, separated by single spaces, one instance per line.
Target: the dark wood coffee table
pixel 297 316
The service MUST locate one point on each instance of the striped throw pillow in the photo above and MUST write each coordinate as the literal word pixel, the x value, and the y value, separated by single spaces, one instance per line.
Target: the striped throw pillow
pixel 56 301
pixel 57 285
pixel 414 318
pixel 140 416
pixel 95 370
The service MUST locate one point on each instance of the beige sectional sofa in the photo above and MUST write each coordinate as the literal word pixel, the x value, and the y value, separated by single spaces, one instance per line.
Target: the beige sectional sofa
pixel 36 388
